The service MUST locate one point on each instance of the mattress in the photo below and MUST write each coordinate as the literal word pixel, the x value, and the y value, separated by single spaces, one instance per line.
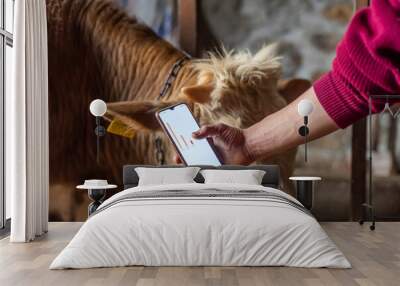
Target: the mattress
pixel 201 225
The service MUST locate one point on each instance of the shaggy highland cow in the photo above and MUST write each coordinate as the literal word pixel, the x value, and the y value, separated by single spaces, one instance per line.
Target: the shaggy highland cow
pixel 97 51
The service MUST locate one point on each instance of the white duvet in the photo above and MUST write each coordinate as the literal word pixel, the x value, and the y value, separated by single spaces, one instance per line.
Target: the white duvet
pixel 200 231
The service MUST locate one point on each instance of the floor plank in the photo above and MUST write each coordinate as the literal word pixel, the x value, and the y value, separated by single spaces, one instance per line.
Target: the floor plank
pixel 375 257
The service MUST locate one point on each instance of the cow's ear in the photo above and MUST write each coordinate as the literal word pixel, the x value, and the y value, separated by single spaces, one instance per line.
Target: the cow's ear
pixel 266 53
pixel 131 116
pixel 200 93
pixel 290 89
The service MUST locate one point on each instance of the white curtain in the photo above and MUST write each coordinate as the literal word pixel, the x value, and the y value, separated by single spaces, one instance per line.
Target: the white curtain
pixel 27 154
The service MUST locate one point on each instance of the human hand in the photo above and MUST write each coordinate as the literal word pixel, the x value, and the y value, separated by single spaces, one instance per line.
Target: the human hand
pixel 230 143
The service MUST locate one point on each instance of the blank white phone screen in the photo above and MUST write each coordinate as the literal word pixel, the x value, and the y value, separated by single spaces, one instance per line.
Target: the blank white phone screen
pixel 180 124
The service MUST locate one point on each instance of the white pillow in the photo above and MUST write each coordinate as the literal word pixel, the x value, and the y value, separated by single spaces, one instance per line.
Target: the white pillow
pixel 165 176
pixel 248 177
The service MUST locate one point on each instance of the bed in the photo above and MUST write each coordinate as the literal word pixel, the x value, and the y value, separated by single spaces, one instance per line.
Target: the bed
pixel 197 224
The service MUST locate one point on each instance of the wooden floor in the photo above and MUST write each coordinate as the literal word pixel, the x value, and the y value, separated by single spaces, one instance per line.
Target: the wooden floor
pixel 375 257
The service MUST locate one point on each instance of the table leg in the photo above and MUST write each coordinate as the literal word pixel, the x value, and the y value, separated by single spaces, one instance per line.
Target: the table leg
pixel 305 193
pixel 97 196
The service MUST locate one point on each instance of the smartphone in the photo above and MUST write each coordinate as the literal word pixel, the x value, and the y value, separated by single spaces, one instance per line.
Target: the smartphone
pixel 179 123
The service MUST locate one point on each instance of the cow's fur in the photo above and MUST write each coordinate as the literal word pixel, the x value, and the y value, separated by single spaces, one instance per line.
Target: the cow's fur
pixel 97 51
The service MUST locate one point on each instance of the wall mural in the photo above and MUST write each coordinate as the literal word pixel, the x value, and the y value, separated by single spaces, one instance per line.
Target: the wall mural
pixel 99 50
pixel 96 50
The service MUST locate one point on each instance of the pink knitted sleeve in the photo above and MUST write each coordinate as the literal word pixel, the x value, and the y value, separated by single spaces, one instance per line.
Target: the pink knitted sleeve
pixel 367 62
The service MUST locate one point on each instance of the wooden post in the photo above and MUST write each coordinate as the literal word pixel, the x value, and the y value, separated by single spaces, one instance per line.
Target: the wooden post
pixel 361 4
pixel 358 168
pixel 188 25
pixel 195 35
pixel 358 156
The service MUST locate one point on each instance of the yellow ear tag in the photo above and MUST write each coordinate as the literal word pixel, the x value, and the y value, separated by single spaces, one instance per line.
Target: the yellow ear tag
pixel 117 127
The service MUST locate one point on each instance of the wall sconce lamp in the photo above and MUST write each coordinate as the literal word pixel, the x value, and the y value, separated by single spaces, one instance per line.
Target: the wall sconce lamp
pixel 305 108
pixel 98 108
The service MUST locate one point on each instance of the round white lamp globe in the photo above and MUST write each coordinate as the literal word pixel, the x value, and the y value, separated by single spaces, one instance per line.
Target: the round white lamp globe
pixel 98 107
pixel 305 107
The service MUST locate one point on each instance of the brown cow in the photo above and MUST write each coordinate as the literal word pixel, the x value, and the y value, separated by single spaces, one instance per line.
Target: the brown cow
pixel 97 51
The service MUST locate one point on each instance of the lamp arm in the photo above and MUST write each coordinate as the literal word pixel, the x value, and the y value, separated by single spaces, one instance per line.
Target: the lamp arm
pixel 305 145
pixel 100 131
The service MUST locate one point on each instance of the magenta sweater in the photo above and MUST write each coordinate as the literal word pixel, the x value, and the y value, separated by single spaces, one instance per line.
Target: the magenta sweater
pixel 367 62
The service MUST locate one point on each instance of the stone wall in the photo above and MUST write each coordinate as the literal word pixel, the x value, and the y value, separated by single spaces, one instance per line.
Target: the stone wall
pixel 308 30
